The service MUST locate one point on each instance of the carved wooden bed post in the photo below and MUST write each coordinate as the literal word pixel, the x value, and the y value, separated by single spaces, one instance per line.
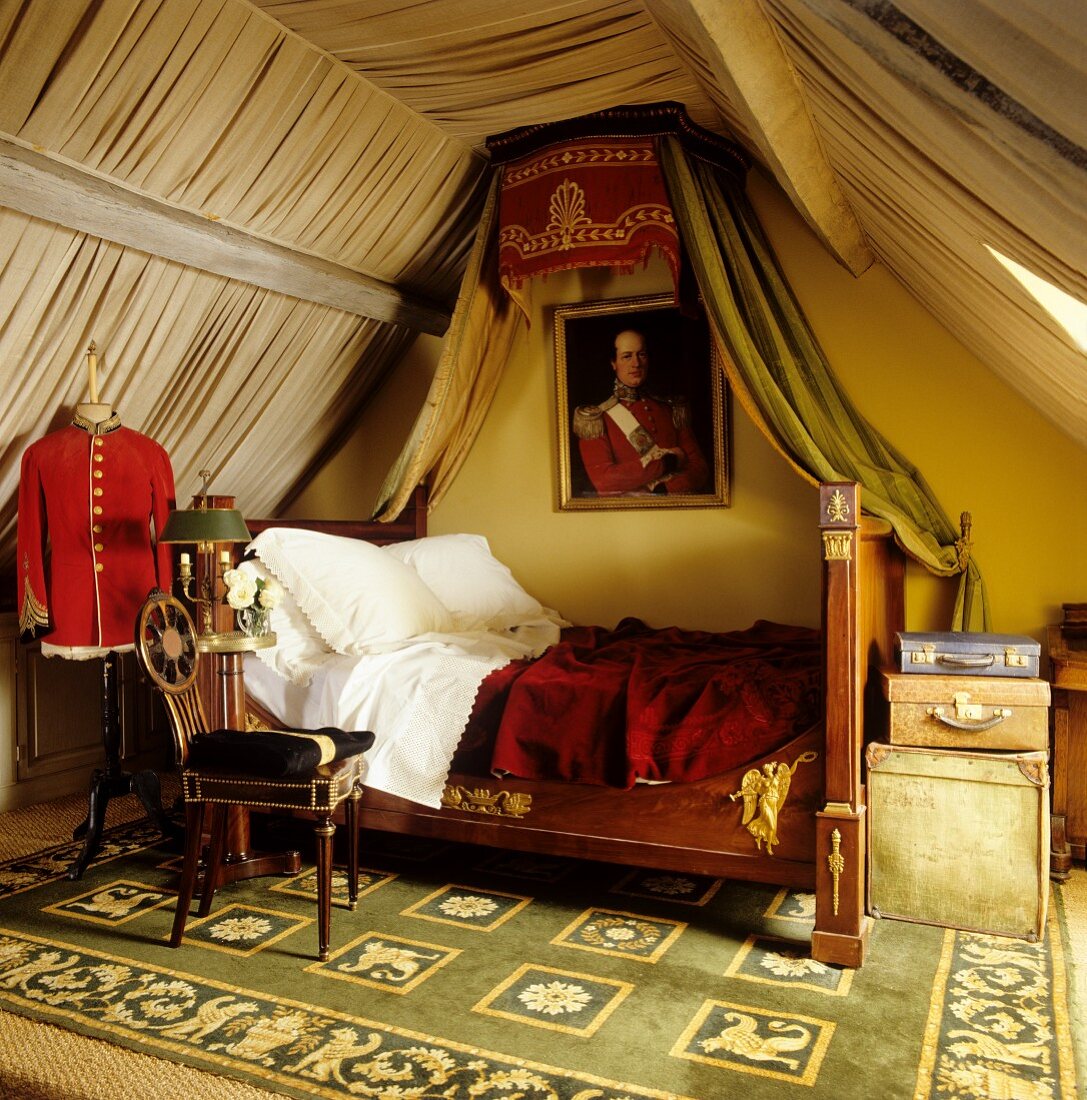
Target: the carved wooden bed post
pixel 842 928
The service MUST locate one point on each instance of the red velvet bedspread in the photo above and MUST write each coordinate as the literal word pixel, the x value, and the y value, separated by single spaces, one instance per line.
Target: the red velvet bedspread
pixel 612 706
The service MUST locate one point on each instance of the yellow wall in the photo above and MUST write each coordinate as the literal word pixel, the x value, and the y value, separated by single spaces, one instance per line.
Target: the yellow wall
pixel 980 447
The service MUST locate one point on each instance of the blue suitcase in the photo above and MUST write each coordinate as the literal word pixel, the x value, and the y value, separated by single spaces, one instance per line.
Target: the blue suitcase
pixel 968 653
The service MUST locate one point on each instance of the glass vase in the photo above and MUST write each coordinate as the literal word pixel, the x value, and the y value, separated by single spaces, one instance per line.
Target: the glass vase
pixel 253 621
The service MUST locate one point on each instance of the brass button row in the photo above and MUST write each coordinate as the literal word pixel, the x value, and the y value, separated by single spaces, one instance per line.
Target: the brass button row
pixel 97 509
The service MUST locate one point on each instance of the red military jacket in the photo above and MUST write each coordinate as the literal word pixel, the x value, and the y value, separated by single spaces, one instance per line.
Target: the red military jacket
pixel 89 492
pixel 617 464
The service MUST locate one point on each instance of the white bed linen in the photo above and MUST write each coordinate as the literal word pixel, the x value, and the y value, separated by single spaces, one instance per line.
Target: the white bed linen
pixel 415 696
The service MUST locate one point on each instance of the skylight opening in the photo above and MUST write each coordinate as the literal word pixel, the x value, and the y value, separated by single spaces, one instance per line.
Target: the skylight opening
pixel 1068 312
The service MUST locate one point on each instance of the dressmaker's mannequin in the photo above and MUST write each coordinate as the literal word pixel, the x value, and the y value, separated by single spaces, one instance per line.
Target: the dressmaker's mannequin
pixel 88 494
pixel 93 411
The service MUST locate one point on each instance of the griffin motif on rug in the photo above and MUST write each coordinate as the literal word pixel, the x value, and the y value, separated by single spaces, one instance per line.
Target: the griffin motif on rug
pixel 743 1038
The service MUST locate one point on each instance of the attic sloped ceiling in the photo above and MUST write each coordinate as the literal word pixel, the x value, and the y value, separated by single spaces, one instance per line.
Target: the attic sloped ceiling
pixel 252 205
pixel 126 123
pixel 927 129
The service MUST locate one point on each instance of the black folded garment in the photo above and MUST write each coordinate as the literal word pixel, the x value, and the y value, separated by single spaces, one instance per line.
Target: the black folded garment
pixel 274 754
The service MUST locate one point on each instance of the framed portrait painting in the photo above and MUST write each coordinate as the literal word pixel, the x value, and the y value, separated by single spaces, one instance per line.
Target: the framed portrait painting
pixel 642 407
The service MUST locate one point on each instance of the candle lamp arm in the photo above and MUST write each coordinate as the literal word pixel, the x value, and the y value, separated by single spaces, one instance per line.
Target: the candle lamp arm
pixel 205 599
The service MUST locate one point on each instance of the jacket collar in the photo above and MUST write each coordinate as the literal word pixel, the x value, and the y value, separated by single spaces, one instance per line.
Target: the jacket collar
pixel 102 427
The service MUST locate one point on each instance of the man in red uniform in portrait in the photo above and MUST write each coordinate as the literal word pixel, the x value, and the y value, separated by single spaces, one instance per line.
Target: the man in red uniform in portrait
pixel 89 492
pixel 634 443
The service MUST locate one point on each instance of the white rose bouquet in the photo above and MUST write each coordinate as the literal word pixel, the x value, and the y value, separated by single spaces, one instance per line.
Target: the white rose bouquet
pixel 252 597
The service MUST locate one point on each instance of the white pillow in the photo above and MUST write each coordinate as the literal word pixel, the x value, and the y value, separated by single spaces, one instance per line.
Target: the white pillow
pixel 354 594
pixel 476 587
pixel 297 642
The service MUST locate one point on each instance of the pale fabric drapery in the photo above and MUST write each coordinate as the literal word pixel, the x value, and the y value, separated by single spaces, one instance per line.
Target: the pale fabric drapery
pixel 347 129
pixel 473 357
pixel 1033 49
pixel 776 365
pixel 210 106
pixel 204 365
pixel 478 67
pixel 936 168
pixel 774 362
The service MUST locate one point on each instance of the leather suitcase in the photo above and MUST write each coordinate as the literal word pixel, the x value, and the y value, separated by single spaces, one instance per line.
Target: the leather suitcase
pixel 959 839
pixel 968 712
pixel 967 653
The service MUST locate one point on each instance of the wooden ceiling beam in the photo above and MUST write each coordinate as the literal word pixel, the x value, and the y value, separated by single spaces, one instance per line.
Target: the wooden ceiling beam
pixel 747 62
pixel 55 191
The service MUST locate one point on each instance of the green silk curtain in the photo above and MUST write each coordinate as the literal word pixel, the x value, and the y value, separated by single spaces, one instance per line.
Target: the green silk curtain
pixel 781 375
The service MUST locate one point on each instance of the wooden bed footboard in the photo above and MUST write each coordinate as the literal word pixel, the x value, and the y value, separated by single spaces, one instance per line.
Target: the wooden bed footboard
pixel 698 828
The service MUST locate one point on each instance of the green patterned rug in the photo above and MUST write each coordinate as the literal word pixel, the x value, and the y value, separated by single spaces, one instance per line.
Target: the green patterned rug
pixel 472 973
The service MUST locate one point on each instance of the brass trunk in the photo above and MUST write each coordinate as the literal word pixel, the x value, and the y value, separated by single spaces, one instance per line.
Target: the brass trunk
pixel 959 839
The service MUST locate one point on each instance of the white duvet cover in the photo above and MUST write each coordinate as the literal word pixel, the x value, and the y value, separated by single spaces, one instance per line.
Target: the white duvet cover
pixel 415 696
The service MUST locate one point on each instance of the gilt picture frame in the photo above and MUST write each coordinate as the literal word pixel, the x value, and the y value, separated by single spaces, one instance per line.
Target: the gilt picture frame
pixel 668 447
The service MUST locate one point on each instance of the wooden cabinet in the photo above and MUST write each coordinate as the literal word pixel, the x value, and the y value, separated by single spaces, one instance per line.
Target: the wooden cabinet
pixel 51 721
pixel 1068 664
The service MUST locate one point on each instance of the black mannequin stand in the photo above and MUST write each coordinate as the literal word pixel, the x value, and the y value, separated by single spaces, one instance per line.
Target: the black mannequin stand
pixel 112 782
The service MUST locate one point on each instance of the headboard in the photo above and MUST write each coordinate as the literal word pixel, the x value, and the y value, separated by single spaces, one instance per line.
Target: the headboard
pixel 411 524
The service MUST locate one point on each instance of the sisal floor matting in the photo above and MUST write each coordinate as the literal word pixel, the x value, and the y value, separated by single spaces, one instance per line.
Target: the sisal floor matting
pixel 42 1062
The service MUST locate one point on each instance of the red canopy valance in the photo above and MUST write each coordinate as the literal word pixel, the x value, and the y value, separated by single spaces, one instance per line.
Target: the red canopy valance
pixel 584 203
pixel 589 192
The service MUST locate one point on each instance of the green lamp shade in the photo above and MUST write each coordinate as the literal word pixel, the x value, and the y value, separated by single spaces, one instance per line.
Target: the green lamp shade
pixel 205 525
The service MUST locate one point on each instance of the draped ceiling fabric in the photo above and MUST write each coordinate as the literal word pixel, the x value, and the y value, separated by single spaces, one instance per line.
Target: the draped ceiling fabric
pixel 210 107
pixel 969 115
pixel 947 125
pixel 774 361
pixel 473 357
pixel 352 131
pixel 199 363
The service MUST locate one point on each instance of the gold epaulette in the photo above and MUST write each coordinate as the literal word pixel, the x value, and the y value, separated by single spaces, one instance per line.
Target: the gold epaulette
pixel 589 422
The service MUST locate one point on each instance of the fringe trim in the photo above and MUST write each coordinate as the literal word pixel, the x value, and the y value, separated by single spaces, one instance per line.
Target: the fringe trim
pixel 681 413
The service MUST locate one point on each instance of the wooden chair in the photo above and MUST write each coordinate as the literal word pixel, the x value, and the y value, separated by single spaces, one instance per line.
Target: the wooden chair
pixel 167 654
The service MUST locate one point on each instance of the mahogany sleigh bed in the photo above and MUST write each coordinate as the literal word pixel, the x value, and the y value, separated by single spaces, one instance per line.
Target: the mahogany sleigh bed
pixel 699 827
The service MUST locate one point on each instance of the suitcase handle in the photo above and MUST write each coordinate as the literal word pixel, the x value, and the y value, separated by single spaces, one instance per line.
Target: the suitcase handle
pixel 976 726
pixel 965 662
